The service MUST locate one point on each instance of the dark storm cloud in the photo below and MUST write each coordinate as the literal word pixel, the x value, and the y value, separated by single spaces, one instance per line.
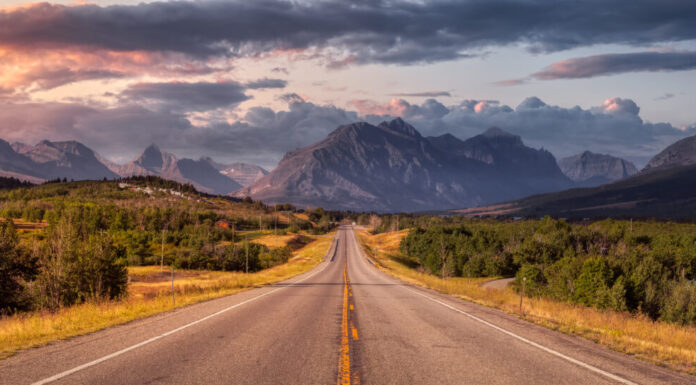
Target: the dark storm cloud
pixel 178 96
pixel 266 83
pixel 353 32
pixel 609 64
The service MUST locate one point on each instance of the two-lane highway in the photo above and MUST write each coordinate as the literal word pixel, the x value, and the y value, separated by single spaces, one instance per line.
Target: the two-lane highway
pixel 343 322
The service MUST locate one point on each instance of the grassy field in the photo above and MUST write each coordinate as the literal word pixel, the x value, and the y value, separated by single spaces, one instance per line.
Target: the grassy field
pixel 149 294
pixel 662 343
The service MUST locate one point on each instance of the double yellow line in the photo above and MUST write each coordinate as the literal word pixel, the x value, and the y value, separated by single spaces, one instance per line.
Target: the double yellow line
pixel 344 374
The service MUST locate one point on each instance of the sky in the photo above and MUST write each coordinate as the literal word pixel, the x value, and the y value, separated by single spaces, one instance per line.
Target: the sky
pixel 250 80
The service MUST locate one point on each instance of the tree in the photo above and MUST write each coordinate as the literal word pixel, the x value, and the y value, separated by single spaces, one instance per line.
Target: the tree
pixel 592 286
pixel 16 268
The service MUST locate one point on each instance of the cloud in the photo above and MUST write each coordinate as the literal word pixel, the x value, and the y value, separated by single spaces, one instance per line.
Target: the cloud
pixel 425 94
pixel 666 96
pixel 267 83
pixel 262 135
pixel 345 32
pixel 179 96
pixel 43 69
pixel 430 109
pixel 613 127
pixel 610 64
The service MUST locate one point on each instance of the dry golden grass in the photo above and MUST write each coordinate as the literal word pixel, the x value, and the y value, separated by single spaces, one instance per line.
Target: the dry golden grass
pixel 23 225
pixel 150 293
pixel 271 241
pixel 659 342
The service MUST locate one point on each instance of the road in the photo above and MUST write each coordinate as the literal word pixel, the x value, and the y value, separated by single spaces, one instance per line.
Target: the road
pixel 343 322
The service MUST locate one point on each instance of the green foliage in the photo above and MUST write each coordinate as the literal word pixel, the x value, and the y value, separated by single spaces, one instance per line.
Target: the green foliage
pixel 16 268
pixel 646 267
pixel 535 282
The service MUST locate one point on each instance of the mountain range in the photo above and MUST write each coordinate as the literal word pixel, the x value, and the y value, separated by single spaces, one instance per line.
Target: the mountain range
pixel 363 167
pixel 391 167
pixel 72 160
pixel 663 189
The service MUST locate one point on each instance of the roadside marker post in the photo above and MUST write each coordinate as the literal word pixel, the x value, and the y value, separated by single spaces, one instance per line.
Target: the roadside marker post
pixel 524 282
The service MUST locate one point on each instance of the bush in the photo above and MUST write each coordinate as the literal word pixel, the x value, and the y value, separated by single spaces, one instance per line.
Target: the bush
pixel 680 304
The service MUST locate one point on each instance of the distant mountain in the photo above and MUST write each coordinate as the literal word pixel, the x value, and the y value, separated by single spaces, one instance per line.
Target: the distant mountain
pixel 680 153
pixel 391 167
pixel 665 193
pixel 589 169
pixel 72 160
pixel 526 170
pixel 243 173
pixel 51 160
pixel 200 173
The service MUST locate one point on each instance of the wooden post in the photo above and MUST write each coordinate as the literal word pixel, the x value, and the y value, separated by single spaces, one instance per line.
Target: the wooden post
pixel 246 242
pixel 275 227
pixel 524 282
pixel 173 300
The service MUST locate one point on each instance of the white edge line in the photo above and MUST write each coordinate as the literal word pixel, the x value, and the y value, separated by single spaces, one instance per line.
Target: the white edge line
pixel 536 345
pixel 511 334
pixel 153 339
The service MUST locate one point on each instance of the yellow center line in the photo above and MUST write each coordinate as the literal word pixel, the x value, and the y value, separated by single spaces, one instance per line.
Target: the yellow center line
pixel 344 360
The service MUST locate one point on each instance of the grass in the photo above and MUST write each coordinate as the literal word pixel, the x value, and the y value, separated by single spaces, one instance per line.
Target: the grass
pixel 149 294
pixel 662 343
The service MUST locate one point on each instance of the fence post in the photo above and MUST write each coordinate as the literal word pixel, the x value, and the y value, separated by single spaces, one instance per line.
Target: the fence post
pixel 524 282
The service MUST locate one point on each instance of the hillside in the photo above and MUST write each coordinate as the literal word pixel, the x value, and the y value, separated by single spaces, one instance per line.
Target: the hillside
pixel 667 193
pixel 680 153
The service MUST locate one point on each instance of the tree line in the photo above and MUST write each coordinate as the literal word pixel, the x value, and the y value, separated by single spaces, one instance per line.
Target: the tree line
pixel 92 231
pixel 641 267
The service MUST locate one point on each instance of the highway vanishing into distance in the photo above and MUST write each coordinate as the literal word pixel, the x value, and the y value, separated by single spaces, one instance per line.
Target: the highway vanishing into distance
pixel 343 322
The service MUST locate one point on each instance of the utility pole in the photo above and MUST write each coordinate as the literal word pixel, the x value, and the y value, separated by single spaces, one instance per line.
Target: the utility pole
pixel 275 227
pixel 260 224
pixel 397 223
pixel 246 243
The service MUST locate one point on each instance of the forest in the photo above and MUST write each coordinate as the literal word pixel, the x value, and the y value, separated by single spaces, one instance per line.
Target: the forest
pixel 63 243
pixel 641 267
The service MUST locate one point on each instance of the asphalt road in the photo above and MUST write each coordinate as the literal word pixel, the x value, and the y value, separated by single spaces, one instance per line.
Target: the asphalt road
pixel 343 322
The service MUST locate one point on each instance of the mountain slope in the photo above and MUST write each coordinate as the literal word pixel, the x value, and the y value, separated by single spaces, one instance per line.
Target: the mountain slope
pixel 680 153
pixel 666 193
pixel 525 170
pixel 590 169
pixel 391 167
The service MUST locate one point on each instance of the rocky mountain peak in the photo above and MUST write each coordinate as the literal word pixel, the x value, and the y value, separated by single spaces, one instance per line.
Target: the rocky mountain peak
pixel 499 134
pixel 399 125
pixel 151 159
pixel 592 169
